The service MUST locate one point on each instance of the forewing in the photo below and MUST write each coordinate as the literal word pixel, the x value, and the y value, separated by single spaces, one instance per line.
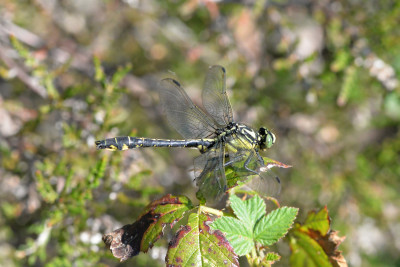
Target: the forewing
pixel 215 99
pixel 211 179
pixel 182 114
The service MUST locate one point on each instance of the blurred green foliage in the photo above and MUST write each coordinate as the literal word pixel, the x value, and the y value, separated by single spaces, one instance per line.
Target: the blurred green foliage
pixel 322 74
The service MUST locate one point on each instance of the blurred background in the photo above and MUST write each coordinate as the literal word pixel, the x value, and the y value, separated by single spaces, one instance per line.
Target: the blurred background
pixel 323 75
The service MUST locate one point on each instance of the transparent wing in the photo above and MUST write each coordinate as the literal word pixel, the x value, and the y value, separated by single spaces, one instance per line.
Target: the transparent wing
pixel 265 184
pixel 215 99
pixel 182 114
pixel 249 168
pixel 210 176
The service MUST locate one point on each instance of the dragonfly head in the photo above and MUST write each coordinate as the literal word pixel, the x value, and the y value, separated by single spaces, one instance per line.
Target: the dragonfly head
pixel 267 138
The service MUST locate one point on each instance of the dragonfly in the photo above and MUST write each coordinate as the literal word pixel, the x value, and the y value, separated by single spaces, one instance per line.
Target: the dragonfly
pixel 229 150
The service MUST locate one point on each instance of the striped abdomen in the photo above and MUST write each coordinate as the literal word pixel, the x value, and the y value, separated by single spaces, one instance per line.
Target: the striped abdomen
pixel 127 142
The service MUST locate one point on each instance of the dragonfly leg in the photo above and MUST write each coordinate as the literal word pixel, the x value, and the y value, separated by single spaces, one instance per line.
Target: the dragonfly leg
pixel 236 159
pixel 246 165
pixel 260 159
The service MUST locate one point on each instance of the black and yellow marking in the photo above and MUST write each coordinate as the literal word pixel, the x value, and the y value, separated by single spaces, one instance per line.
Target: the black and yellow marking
pixel 222 142
pixel 246 138
pixel 128 142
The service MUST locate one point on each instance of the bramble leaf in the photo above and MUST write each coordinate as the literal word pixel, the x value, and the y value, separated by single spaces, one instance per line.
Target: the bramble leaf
pixel 318 221
pixel 250 211
pixel 252 226
pixel 330 243
pixel 237 232
pixel 195 244
pixel 129 240
pixel 314 244
pixel 306 251
pixel 275 225
pixel 167 210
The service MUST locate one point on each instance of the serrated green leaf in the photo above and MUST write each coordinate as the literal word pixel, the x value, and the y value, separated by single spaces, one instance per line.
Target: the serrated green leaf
pixel 275 225
pixel 253 226
pixel 307 252
pixel 238 234
pixel 195 244
pixel 318 221
pixel 249 211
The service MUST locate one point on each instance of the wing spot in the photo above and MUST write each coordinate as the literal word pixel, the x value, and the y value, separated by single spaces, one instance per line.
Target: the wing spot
pixel 176 82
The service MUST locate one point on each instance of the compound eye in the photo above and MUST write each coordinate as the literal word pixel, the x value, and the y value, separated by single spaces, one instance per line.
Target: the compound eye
pixel 270 139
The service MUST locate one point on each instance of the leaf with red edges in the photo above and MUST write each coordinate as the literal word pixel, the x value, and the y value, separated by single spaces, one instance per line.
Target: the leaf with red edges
pixel 195 244
pixel 315 244
pixel 129 240
pixel 317 221
pixel 330 243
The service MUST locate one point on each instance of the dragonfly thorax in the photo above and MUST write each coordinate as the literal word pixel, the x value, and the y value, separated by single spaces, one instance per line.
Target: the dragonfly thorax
pixel 252 136
pixel 249 137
